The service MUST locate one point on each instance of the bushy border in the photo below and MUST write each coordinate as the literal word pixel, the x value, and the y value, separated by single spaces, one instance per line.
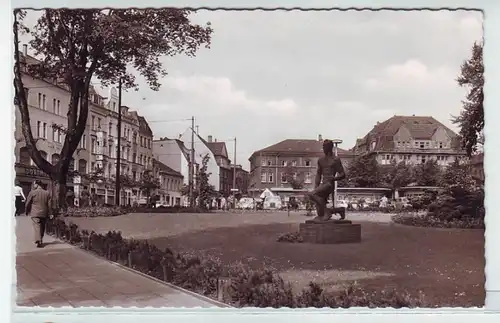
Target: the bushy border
pixel 292 237
pixel 237 284
pixel 94 211
pixel 170 209
pixel 425 220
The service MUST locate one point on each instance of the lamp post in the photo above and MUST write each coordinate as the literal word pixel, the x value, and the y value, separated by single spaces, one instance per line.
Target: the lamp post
pixel 336 142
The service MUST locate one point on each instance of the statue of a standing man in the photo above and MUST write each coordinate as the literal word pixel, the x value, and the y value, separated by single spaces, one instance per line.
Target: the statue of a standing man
pixel 330 169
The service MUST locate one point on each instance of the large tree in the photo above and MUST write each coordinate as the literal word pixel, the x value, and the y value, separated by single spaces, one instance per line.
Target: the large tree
pixel 471 118
pixel 294 177
pixel 364 171
pixel 77 46
pixel 205 192
pixel 428 173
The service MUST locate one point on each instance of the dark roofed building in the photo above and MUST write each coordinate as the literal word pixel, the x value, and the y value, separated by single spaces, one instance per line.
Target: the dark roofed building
pixel 269 166
pixel 171 181
pixel 415 139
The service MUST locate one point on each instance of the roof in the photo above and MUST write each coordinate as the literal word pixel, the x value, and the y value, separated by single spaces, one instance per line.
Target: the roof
pixel 164 168
pixel 311 146
pixel 218 148
pixel 420 127
pixel 144 127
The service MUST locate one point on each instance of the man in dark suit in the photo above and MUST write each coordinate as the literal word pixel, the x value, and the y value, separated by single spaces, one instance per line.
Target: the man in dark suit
pixel 38 207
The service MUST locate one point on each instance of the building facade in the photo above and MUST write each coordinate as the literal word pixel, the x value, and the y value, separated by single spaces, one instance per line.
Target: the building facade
pixel 171 181
pixel 270 167
pixel 48 103
pixel 413 139
pixel 242 178
pixel 219 151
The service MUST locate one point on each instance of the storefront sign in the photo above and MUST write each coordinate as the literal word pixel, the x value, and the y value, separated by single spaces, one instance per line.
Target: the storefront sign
pixel 30 171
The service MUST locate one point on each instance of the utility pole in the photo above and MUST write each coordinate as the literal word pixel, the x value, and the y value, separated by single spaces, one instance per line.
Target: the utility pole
pixel 118 147
pixel 234 175
pixel 191 167
pixel 234 166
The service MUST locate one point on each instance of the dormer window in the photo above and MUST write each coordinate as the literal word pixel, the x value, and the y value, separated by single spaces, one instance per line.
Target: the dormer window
pixel 374 143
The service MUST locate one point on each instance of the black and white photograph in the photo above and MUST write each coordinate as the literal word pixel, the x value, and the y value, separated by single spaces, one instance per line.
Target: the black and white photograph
pixel 171 157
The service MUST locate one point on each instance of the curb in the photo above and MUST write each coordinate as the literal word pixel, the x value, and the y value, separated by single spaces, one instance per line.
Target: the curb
pixel 191 293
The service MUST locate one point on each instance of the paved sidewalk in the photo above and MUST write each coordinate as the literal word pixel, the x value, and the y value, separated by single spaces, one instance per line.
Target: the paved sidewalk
pixel 62 275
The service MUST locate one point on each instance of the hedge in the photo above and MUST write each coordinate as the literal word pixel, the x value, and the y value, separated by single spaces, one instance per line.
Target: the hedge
pixel 236 284
pixel 426 220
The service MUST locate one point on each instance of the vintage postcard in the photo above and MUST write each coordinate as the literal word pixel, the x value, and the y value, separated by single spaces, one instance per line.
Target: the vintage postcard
pixel 183 158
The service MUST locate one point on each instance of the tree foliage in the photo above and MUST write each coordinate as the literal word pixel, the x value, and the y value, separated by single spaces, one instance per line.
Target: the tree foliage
pixel 205 192
pixel 471 118
pixel 364 171
pixel 428 173
pixel 458 174
pixel 148 183
pixel 294 177
pixel 76 46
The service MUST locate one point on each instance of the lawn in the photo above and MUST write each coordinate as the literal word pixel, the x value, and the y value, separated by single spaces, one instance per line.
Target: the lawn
pixel 447 265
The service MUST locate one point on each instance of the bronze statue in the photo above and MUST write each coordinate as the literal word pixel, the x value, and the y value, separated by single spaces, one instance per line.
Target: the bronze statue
pixel 329 171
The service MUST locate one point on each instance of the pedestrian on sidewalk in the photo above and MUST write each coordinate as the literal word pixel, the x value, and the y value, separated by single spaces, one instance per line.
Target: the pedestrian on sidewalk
pixel 19 198
pixel 38 207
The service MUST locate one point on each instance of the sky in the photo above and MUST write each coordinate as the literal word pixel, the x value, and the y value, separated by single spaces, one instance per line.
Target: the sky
pixel 271 76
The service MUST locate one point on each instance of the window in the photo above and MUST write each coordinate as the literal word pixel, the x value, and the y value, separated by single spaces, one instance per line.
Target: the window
pixel 83 142
pixel 307 178
pixel 110 128
pixel 44 99
pixel 294 163
pixel 421 144
pixel 263 178
pixel 98 123
pixel 39 129
pixel 308 163
pixel 134 158
pixel 44 130
pixel 58 107
pixel 270 178
pixel 283 178
pixel 39 103
pixel 283 163
pixel 269 163
pixel 93 146
pixel 24 156
pixel 114 106
pixel 93 123
pixel 54 134
pixel 54 106
pixel 263 162
pixel 427 144
pixel 92 167
pixel 399 144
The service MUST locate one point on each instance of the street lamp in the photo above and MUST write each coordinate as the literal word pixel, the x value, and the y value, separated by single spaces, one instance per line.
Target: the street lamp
pixel 336 142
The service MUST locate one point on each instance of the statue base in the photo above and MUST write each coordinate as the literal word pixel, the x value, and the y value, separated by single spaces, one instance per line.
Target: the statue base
pixel 330 231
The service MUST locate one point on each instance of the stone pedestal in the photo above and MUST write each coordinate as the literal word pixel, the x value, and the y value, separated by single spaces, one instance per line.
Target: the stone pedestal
pixel 330 232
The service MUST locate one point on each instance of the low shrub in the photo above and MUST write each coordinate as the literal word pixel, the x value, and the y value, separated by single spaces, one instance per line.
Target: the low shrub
pixel 426 220
pixel 290 237
pixel 94 211
pixel 170 209
pixel 246 287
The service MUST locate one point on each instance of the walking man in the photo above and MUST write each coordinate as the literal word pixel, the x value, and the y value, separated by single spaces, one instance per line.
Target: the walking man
pixel 19 198
pixel 38 207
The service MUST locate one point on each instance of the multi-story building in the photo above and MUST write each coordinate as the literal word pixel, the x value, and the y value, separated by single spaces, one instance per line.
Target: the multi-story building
pixel 48 103
pixel 171 182
pixel 270 167
pixel 219 151
pixel 414 139
pixel 242 178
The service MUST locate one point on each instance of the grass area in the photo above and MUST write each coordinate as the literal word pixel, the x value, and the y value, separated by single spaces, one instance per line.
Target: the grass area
pixel 446 264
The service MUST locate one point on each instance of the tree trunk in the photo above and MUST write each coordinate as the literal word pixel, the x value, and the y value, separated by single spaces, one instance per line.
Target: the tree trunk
pixel 57 188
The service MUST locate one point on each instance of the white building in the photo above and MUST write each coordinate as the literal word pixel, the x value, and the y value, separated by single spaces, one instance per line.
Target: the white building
pixel 175 154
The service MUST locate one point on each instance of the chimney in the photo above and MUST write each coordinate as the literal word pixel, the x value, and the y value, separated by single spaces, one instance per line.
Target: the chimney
pixel 209 138
pixel 320 138
pixel 25 50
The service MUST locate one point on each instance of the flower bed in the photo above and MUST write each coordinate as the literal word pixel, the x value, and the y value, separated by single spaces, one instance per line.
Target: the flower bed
pixel 171 209
pixel 426 220
pixel 293 237
pixel 94 211
pixel 237 285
